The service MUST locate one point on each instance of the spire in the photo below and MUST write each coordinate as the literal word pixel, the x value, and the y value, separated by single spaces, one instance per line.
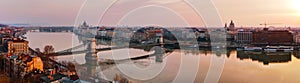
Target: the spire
pixel 231 24
pixel 84 24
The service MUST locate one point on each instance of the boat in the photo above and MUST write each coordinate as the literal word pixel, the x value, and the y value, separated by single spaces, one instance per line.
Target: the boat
pixel 252 49
pixel 278 49
pixel 193 46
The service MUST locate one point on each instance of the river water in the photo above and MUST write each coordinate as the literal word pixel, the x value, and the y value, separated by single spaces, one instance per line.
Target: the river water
pixel 239 67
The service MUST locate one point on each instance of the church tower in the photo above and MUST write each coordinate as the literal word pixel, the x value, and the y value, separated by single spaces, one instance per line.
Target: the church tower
pixel 85 24
pixel 231 25
pixel 226 27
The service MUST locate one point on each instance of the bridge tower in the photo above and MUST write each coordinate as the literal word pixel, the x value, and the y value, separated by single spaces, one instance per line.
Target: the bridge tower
pixel 91 57
pixel 86 34
pixel 92 47
pixel 159 37
pixel 159 51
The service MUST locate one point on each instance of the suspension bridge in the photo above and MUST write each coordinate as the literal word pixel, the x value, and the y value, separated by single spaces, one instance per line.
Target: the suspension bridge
pixel 90 50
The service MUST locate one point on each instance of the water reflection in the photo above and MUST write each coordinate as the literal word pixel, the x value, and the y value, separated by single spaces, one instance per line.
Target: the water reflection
pixel 296 53
pixel 265 57
pixel 237 62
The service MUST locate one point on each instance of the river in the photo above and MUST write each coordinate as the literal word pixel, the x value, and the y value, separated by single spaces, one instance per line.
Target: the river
pixel 241 67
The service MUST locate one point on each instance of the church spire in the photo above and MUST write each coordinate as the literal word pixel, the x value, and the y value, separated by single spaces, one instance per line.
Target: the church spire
pixel 231 24
pixel 84 24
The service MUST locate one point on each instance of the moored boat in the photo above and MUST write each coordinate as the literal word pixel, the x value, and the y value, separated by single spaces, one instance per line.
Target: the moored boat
pixel 278 49
pixel 250 49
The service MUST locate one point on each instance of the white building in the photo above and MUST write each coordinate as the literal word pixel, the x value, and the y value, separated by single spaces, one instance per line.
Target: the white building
pixel 245 37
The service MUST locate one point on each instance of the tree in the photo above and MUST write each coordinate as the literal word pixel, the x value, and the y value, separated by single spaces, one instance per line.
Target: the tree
pixel 48 49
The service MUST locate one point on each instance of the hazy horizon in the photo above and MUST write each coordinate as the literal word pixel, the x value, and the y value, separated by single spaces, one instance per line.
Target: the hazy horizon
pixel 247 13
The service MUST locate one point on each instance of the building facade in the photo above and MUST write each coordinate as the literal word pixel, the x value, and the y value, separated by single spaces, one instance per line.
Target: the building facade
pixel 244 37
pixel 272 37
pixel 17 46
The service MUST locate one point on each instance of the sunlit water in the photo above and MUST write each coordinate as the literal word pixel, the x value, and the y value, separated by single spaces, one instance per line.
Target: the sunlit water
pixel 235 70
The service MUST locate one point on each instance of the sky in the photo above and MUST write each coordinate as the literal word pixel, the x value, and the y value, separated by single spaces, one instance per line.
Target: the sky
pixel 249 13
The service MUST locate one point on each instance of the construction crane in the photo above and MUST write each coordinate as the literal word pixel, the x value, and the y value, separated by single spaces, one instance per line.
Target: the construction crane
pixel 265 24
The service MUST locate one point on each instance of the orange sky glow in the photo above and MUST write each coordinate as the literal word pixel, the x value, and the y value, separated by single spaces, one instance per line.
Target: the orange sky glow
pixel 249 13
